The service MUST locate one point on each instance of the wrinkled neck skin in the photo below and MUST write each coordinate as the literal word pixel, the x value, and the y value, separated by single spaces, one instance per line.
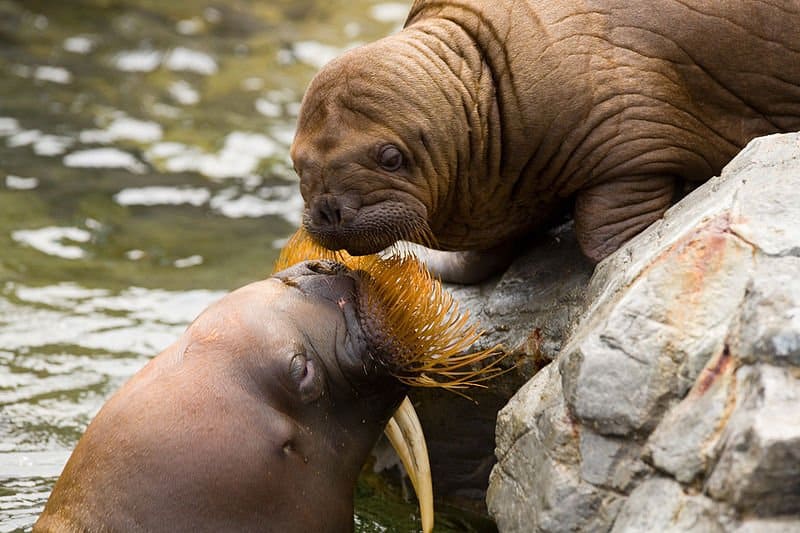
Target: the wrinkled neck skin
pixel 512 96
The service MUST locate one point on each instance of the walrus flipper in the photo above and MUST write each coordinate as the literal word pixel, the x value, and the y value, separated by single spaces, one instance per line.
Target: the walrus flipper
pixel 609 214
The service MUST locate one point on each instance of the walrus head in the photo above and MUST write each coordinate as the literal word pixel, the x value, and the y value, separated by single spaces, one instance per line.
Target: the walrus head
pixel 424 338
pixel 378 141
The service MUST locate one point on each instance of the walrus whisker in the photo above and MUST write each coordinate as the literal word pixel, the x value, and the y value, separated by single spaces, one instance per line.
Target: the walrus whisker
pixel 425 333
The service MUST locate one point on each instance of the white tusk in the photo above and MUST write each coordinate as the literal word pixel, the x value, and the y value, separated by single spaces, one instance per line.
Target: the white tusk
pixel 405 433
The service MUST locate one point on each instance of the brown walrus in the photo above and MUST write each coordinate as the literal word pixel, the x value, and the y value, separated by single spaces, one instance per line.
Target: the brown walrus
pixel 481 122
pixel 260 417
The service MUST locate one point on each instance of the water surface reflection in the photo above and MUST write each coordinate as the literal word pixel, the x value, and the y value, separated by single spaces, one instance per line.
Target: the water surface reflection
pixel 143 173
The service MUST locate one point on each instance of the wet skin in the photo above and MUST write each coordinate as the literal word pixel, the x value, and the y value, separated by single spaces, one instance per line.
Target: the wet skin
pixel 259 418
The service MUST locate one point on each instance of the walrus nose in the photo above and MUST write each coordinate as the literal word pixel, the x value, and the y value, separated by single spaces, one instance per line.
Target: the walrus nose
pixel 326 210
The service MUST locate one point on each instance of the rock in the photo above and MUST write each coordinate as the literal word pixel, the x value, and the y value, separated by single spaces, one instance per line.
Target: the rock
pixel 683 443
pixel 561 491
pixel 770 323
pixel 529 310
pixel 639 350
pixel 758 467
pixel 611 462
pixel 674 404
pixel 661 505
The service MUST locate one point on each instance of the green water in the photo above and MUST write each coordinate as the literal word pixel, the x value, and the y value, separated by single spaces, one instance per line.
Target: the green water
pixel 143 172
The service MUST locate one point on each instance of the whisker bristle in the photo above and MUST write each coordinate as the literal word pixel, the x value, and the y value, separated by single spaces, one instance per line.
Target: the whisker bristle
pixel 429 338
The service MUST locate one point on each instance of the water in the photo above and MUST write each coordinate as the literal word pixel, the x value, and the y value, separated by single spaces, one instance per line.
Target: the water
pixel 144 171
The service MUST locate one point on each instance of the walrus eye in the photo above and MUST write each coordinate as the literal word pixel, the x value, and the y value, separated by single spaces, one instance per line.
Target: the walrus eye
pixel 301 370
pixel 298 368
pixel 390 158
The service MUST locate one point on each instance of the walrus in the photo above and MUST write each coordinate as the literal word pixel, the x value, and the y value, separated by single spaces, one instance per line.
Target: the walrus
pixel 481 123
pixel 260 417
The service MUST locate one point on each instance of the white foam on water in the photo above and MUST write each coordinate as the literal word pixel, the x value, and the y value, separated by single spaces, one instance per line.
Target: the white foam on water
pixel 284 134
pixel 239 157
pixel 137 320
pixel 138 60
pixel 283 201
pixel 352 29
pixel 51 145
pixel 8 126
pixel 254 144
pixel 60 295
pixel 189 26
pixel 23 138
pixel 185 59
pixel 183 93
pixel 293 108
pixel 132 129
pixel 50 240
pixel 267 108
pixel 212 15
pixel 165 149
pixel 94 137
pixel 21 183
pixel 186 262
pixel 314 53
pixel 52 74
pixel 103 158
pixel 159 195
pixel 388 12
pixel 79 44
pixel 40 22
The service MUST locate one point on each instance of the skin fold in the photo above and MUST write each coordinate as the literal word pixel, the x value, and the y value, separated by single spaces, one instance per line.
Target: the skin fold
pixel 508 115
pixel 259 418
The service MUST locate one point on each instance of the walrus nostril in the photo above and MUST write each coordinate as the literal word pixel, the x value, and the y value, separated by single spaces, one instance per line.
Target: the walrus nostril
pixel 327 211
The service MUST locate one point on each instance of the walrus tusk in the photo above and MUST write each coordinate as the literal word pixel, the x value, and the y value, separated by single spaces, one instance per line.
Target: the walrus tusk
pixel 405 433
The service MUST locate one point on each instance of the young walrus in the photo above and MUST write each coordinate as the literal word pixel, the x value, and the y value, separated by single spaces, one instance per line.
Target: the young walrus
pixel 484 121
pixel 260 417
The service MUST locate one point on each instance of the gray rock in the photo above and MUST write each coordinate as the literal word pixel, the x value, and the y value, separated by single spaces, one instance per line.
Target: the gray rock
pixel 544 490
pixel 674 405
pixel 639 350
pixel 770 322
pixel 611 462
pixel 758 470
pixel 684 442
pixel 661 505
pixel 768 203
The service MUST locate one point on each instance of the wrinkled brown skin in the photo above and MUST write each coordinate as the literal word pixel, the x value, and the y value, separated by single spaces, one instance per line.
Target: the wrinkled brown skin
pixel 215 434
pixel 509 113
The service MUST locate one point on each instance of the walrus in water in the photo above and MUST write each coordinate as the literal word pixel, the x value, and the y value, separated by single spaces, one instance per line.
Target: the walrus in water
pixel 481 122
pixel 260 417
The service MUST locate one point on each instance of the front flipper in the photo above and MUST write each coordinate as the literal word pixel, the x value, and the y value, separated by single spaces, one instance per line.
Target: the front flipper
pixel 609 214
pixel 467 267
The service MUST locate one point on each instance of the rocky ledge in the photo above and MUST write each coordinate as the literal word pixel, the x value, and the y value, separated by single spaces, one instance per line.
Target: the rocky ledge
pixel 674 403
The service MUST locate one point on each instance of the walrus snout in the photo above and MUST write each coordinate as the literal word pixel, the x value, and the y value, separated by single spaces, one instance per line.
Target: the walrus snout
pixel 336 223
pixel 321 278
pixel 329 217
pixel 327 211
